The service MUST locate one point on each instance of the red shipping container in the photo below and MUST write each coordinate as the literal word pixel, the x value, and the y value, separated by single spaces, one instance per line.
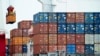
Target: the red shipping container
pixel 80 39
pixel 80 49
pixel 71 17
pixel 40 49
pixel 40 39
pixel 44 28
pixel 16 49
pixel 62 39
pixel 16 33
pixel 52 28
pixel 79 17
pixel 25 24
pixel 61 47
pixel 70 38
pixel 36 29
pixel 52 48
pixel 52 38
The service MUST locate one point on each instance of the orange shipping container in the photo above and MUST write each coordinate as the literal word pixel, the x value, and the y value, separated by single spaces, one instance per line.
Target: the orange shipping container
pixel 52 38
pixel 80 38
pixel 40 39
pixel 43 28
pixel 62 39
pixel 70 38
pixel 19 40
pixel 36 29
pixel 25 24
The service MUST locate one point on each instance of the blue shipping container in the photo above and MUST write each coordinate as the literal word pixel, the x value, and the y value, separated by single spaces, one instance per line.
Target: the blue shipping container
pixel 96 17
pixel 89 49
pixel 97 28
pixel 89 18
pixel 62 28
pixel 80 28
pixel 62 17
pixel 70 49
pixel 89 28
pixel 43 16
pixel 24 48
pixel 53 17
pixel 71 28
pixel 36 18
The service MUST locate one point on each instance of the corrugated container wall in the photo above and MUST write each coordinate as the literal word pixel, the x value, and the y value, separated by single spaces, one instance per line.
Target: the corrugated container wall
pixel 52 27
pixel 80 17
pixel 25 24
pixel 89 18
pixel 71 28
pixel 96 28
pixel 52 48
pixel 70 39
pixel 97 48
pixel 71 16
pixel 52 39
pixel 80 28
pixel 62 39
pixel 80 49
pixel 96 17
pixel 97 38
pixel 52 17
pixel 89 39
pixel 89 49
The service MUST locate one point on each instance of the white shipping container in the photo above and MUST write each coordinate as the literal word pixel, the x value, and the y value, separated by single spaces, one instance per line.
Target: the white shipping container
pixel 24 54
pixel 97 38
pixel 43 55
pixel 97 48
pixel 52 54
pixel 89 38
pixel 62 53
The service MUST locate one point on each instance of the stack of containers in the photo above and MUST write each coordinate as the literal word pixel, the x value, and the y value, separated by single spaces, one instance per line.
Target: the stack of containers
pixel 89 34
pixel 97 33
pixel 71 32
pixel 19 38
pixel 7 47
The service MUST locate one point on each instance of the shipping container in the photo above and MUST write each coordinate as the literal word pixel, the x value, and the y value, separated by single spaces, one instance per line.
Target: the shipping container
pixel 62 39
pixel 43 17
pixel 43 54
pixel 62 28
pixel 89 49
pixel 80 38
pixel 16 49
pixel 97 38
pixel 24 48
pixel 62 53
pixel 96 28
pixel 89 17
pixel 52 54
pixel 40 39
pixel 71 28
pixel 79 28
pixel 40 49
pixel 70 39
pixel 80 49
pixel 61 48
pixel 52 17
pixel 52 28
pixel 62 17
pixel 52 48
pixel 97 49
pixel 52 38
pixel 96 17
pixel 19 40
pixel 25 24
pixel 17 54
pixel 71 49
pixel 43 28
pixel 16 33
pixel 36 29
pixel 79 17
pixel 36 18
pixel 89 38
pixel 89 28
pixel 71 16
